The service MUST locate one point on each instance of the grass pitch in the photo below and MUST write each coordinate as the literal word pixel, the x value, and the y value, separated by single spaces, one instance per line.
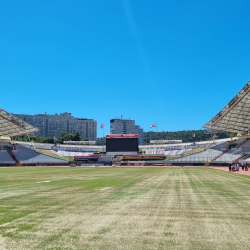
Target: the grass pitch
pixel 123 208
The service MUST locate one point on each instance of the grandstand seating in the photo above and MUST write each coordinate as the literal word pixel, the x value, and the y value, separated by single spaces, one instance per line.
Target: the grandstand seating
pixel 12 156
pixel 165 152
pixel 175 152
pixel 210 153
pixel 235 154
pixel 220 152
pixel 241 142
pixel 4 143
pixel 5 158
pixel 213 151
pixel 245 157
pixel 27 155
pixel 230 156
pixel 73 153
pixel 246 146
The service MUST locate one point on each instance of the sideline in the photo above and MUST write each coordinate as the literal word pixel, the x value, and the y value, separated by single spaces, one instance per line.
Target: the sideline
pixel 202 166
pixel 160 166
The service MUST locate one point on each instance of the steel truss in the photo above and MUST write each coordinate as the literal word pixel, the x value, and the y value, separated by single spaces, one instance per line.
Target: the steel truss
pixel 235 116
pixel 13 126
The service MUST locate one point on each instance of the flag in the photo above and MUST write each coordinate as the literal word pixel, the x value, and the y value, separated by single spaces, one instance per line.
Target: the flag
pixel 102 126
pixel 154 125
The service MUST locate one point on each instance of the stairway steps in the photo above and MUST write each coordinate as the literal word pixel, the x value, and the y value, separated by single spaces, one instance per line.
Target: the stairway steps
pixel 11 154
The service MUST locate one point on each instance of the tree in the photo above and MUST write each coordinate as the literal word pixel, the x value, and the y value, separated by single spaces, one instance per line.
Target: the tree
pixel 49 139
pixel 64 136
pixel 185 136
pixel 232 135
pixel 85 139
pixel 101 141
pixel 68 137
pixel 76 136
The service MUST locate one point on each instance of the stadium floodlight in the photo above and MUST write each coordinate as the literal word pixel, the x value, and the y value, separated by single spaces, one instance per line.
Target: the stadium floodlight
pixel 13 126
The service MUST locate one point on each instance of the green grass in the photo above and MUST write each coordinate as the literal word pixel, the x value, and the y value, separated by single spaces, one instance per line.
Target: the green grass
pixel 123 208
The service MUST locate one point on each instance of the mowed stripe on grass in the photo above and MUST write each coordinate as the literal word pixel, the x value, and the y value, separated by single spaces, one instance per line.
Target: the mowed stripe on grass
pixel 123 208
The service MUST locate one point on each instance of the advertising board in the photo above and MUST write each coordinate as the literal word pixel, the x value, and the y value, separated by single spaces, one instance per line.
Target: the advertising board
pixel 86 158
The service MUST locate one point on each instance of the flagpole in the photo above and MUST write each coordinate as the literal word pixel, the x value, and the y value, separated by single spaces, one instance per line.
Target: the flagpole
pixel 162 137
pixel 102 127
pixel 149 136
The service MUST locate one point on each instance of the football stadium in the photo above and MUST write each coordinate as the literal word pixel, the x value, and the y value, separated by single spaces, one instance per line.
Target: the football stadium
pixel 124 195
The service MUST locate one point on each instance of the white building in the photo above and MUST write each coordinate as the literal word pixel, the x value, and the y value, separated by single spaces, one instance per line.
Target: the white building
pixel 139 131
pixel 126 126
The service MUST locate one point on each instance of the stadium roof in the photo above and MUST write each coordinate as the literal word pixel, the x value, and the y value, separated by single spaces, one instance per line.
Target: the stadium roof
pixel 235 116
pixel 13 126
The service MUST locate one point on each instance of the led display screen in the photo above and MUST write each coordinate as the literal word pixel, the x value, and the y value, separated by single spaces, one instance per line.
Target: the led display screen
pixel 122 144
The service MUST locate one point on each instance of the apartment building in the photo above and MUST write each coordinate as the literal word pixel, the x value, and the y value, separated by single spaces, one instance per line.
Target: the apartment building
pixel 126 126
pixel 139 131
pixel 54 125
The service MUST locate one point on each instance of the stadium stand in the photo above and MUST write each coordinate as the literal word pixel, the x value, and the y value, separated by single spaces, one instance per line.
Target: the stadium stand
pixel 5 158
pixel 73 153
pixel 27 155
pixel 24 154
pixel 201 157
pixel 175 152
pixel 52 154
pixel 220 152
pixel 18 154
pixel 233 118
pixel 10 152
pixel 13 126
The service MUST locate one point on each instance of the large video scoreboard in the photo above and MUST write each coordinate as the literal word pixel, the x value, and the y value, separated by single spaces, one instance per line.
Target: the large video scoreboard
pixel 122 143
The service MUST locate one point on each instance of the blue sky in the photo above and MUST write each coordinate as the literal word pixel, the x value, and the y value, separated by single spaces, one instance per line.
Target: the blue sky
pixel 174 63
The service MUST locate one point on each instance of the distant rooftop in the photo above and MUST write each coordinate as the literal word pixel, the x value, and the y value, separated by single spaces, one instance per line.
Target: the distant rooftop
pixel 62 115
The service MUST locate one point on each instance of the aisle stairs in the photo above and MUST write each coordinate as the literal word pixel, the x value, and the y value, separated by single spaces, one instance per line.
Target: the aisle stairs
pixel 11 154
pixel 242 143
pixel 238 158
pixel 224 152
pixel 218 156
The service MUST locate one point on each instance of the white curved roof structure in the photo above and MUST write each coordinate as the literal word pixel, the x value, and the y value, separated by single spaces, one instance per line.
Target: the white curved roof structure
pixel 235 116
pixel 13 126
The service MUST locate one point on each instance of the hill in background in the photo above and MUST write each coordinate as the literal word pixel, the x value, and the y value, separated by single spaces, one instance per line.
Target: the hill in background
pixel 185 136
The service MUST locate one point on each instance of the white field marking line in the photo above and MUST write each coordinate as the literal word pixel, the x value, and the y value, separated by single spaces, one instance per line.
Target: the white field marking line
pixel 61 179
pixel 41 181
pixel 83 177
pixel 105 188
